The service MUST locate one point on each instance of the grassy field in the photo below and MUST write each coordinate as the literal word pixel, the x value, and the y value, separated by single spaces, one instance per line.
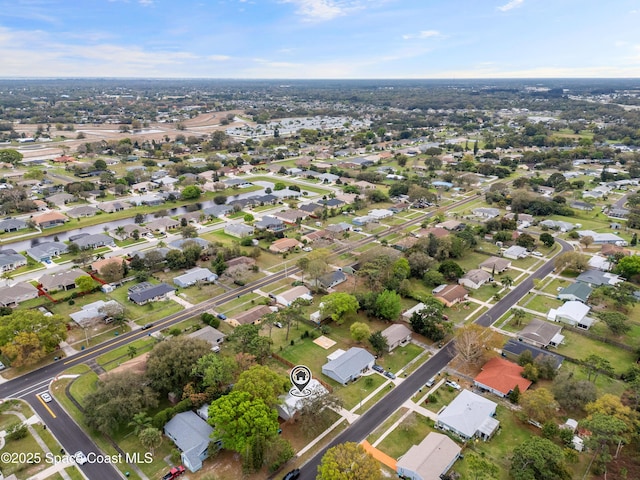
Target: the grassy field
pixel 441 398
pixel 399 357
pixel 411 431
pixel 352 394
pixel 579 347
pixel 386 425
pixel 539 303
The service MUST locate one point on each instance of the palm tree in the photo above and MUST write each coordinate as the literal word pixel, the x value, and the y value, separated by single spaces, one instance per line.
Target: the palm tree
pixel 518 316
pixel 120 231
pixel 506 281
pixel 140 422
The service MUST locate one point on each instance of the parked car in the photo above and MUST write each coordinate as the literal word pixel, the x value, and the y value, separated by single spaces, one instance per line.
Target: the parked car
pixel 80 458
pixel 221 316
pixel 278 324
pixel 390 375
pixel 431 382
pixel 292 475
pixel 2 366
pixel 536 254
pixel 378 368
pixel 146 326
pixel 452 384
pixel 45 397
pixel 307 249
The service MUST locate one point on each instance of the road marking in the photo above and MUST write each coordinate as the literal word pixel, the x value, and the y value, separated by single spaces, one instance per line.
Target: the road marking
pixel 44 404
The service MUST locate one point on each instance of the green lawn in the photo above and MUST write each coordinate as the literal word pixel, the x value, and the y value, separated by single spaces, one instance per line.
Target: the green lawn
pixel 307 353
pixel 411 431
pixel 386 424
pixel 539 303
pixel 499 448
pixel 399 357
pixel 84 385
pixel 485 292
pixel 353 393
pixel 25 445
pixel 441 398
pixel 146 313
pixel 552 287
pixel 121 353
pixel 579 347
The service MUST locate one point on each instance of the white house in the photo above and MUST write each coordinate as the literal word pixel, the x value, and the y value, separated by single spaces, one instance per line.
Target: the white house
pixel 573 313
pixel 515 252
pixel 474 279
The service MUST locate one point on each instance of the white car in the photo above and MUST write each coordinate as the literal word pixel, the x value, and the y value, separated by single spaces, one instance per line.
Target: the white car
pixel 307 249
pixel 80 458
pixel 45 397
pixel 453 384
pixel 536 254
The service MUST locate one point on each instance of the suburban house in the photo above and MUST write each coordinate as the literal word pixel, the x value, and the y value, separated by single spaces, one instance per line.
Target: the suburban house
pixel 331 279
pixel 349 365
pixel 597 278
pixel 362 221
pixel 270 223
pixel 193 276
pixel 487 213
pixel 513 349
pixel 451 225
pixel 435 231
pixel 43 252
pixel 600 263
pixel 110 207
pixel 500 377
pixel 251 316
pixel 474 279
pixel 558 225
pixel 291 404
pixel 192 435
pixel 495 265
pixel 82 211
pixel 396 335
pixel 20 292
pixel 284 245
pixel 217 211
pixel 92 312
pixel 209 334
pixel 288 297
pixel 608 249
pixel 450 294
pixel 515 252
pixel 380 213
pixel 291 216
pixel 100 264
pixel 96 240
pixel 10 260
pixel 431 459
pixel 602 238
pixel 49 219
pixel 406 316
pixel 146 292
pixel 541 334
pixel 163 224
pixel 239 230
pixel 573 313
pixel 181 243
pixel 578 291
pixel 520 217
pixel 61 281
pixel 127 230
pixel 60 198
pixel 469 415
pixel 12 225
pixel 405 243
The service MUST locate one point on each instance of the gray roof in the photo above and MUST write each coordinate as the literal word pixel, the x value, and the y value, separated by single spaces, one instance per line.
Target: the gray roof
pixel 61 280
pixel 161 250
pixel 349 364
pixel 332 278
pixel 517 348
pixel 466 413
pixel 179 244
pixel 431 458
pixel 209 334
pixel 9 258
pixel 539 331
pixel 268 221
pixel 188 431
pixel 217 210
pixel 12 224
pixel 396 333
pixel 579 290
pixel 17 293
pixel 82 210
pixel 47 249
pixel 597 278
pixel 194 275
pixel 149 293
pixel 97 239
pixel 239 228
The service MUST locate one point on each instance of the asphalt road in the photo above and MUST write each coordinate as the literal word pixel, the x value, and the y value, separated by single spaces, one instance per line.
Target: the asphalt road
pixel 73 438
pixel 377 414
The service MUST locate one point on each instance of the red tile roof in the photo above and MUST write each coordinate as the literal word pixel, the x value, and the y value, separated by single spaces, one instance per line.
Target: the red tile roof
pixel 502 376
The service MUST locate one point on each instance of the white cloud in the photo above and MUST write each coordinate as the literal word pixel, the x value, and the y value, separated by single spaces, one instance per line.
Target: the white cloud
pixel 219 58
pixel 511 5
pixel 322 10
pixel 422 34
pixel 145 3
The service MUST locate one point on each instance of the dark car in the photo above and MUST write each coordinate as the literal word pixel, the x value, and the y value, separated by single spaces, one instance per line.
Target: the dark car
pixel 390 375
pixel 221 316
pixel 378 368
pixel 146 326
pixel 292 475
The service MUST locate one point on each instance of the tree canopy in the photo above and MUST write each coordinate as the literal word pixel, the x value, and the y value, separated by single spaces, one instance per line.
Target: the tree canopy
pixel 170 363
pixel 338 305
pixel 26 336
pixel 538 459
pixel 262 383
pixel 348 461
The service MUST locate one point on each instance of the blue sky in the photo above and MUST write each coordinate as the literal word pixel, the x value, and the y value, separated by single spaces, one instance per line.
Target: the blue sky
pixel 320 38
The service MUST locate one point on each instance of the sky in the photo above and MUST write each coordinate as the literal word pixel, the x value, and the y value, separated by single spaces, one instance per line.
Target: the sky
pixel 320 39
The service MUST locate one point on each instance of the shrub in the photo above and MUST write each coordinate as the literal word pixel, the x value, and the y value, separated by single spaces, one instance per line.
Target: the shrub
pixel 17 431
